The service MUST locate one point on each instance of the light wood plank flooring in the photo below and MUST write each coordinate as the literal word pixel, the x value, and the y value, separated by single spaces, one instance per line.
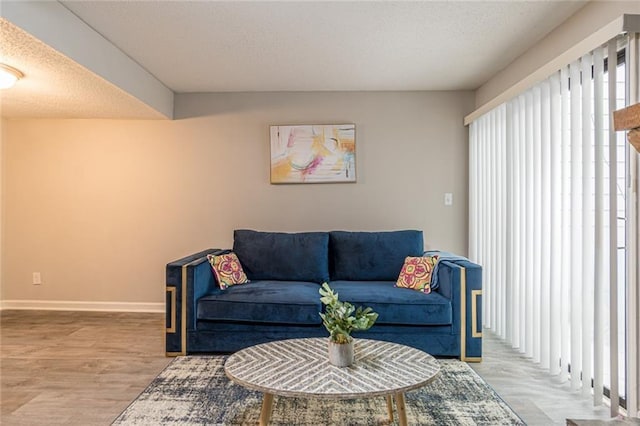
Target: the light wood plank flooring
pixel 84 368
pixel 75 368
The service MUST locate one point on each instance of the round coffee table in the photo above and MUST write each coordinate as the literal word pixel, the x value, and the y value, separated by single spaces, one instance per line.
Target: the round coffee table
pixel 300 368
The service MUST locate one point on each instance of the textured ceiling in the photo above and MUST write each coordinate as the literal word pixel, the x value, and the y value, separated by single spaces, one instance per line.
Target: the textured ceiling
pixel 54 86
pixel 223 46
pixel 212 46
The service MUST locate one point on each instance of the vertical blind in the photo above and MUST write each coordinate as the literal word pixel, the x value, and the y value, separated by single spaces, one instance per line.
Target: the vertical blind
pixel 544 221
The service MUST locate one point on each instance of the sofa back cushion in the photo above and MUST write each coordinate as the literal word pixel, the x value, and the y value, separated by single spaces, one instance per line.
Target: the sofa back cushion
pixel 280 256
pixel 371 256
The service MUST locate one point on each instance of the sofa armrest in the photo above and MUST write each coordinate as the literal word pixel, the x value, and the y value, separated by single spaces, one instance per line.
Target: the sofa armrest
pixel 187 279
pixel 460 281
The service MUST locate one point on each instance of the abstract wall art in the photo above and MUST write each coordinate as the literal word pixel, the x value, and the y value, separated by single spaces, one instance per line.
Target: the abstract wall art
pixel 313 153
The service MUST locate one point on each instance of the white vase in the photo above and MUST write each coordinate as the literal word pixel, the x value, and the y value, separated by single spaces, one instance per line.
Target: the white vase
pixel 341 354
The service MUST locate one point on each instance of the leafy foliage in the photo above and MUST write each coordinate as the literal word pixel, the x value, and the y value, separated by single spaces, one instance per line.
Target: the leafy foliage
pixel 341 318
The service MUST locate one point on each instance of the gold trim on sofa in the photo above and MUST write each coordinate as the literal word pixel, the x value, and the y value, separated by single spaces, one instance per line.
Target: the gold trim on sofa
pixel 474 313
pixel 183 310
pixel 173 308
pixel 183 306
pixel 183 346
pixel 463 317
pixel 463 314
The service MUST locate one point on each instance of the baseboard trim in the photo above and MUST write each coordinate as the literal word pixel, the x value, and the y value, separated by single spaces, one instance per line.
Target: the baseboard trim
pixel 64 305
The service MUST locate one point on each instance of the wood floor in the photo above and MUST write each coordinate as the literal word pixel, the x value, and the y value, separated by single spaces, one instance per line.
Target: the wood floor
pixel 84 368
pixel 75 368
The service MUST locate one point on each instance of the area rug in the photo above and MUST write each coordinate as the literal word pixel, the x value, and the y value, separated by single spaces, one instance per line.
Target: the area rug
pixel 194 390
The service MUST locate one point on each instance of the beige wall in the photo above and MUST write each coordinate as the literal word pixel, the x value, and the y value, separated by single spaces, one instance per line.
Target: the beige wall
pixel 2 138
pixel 98 207
pixel 586 21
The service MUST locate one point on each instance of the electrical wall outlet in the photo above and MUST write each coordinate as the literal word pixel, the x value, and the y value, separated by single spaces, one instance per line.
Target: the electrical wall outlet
pixel 37 279
pixel 448 199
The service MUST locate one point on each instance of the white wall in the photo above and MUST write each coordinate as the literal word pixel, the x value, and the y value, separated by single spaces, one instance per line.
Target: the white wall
pixel 586 21
pixel 98 207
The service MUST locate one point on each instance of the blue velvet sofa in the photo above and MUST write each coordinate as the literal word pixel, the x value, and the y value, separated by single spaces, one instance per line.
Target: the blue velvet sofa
pixel 281 301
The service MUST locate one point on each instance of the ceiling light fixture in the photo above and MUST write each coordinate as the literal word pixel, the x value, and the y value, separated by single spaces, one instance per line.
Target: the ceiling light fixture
pixel 9 76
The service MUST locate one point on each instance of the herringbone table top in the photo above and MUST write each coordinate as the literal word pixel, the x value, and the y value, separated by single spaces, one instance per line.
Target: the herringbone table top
pixel 300 367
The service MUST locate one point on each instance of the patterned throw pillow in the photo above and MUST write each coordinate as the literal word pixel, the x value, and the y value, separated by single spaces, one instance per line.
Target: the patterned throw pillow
pixel 227 269
pixel 416 273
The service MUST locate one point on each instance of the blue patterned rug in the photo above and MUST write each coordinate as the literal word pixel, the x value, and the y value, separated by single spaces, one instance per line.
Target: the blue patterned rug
pixel 194 390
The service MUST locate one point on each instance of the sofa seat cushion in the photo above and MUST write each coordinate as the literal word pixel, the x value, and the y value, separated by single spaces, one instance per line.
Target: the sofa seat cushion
pixel 394 305
pixel 371 256
pixel 280 256
pixel 274 302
